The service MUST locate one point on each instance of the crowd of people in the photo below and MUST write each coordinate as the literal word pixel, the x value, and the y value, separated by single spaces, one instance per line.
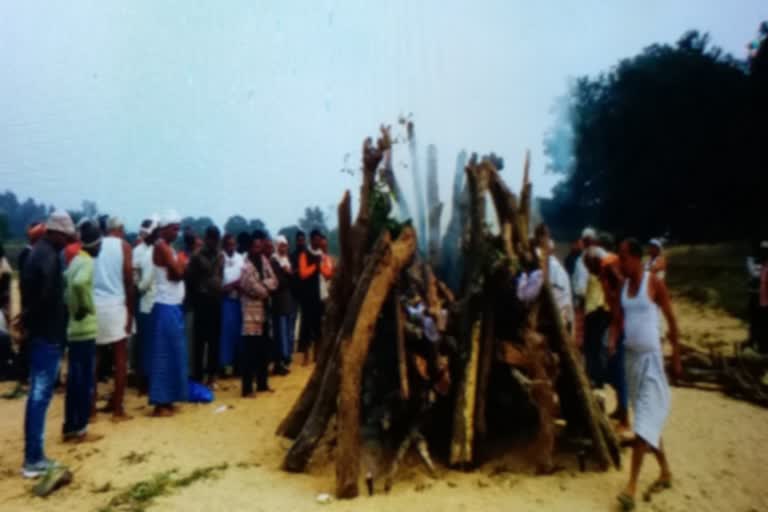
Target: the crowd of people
pixel 163 318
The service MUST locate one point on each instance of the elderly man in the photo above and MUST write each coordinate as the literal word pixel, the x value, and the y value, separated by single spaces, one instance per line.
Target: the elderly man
pixel 113 295
pixel 642 297
pixel 44 319
pixel 168 366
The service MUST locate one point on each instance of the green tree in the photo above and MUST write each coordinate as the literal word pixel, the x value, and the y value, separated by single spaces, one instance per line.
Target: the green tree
pixel 664 143
pixel 236 225
pixel 314 218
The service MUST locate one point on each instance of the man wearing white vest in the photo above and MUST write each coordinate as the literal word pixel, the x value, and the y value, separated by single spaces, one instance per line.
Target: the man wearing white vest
pixel 113 296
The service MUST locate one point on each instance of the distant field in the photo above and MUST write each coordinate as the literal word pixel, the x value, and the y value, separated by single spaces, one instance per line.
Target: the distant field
pixel 715 275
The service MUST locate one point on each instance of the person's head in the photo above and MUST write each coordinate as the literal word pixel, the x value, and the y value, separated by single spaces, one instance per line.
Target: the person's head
pixel 588 237
pixel 257 242
pixel 301 240
pixel 655 247
pixel 189 239
pixel 35 231
pixel 631 257
pixel 541 233
pixel 316 239
pixel 212 238
pixel 577 246
pixel 115 227
pixel 148 230
pixel 282 245
pixel 59 229
pixel 269 247
pixel 90 237
pixel 243 242
pixel 229 244
pixel 169 226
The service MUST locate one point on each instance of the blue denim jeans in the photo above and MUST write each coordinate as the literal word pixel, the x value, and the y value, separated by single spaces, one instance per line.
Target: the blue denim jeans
pixel 44 358
pixel 77 405
pixel 284 331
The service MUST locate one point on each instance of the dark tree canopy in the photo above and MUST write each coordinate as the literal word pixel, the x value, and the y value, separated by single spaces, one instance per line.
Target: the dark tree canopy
pixel 20 214
pixel 197 224
pixel 314 218
pixel 667 142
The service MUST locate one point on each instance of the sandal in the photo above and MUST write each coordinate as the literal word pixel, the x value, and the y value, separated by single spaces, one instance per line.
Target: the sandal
pixel 626 501
pixel 656 487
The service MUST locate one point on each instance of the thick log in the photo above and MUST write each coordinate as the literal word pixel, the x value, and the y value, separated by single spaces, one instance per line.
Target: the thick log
pixel 604 441
pixel 327 382
pixel 355 343
pixel 340 289
pixel 462 442
pixel 486 357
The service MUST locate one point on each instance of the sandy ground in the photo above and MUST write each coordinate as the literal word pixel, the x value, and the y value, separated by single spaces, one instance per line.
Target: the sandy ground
pixel 715 446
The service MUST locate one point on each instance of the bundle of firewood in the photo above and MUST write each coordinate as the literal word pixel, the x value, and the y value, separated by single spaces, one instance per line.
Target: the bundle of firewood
pixel 742 375
pixel 406 360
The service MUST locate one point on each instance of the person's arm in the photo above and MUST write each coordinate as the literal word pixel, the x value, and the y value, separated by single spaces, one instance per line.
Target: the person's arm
pixel 661 298
pixel 163 257
pixel 251 286
pixel 660 265
pixel 128 285
pixel 270 280
pixel 306 270
pixel 147 275
pixel 617 318
pixel 326 266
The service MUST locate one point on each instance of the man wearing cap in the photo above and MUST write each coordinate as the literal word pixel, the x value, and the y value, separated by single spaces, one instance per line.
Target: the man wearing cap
pixel 44 320
pixel 657 263
pixel 168 348
pixel 144 278
pixel 113 294
pixel 81 336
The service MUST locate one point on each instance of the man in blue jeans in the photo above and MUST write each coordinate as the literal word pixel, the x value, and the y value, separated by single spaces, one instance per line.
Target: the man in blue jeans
pixel 44 320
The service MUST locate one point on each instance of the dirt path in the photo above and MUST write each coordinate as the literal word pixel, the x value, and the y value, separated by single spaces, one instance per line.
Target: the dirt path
pixel 715 447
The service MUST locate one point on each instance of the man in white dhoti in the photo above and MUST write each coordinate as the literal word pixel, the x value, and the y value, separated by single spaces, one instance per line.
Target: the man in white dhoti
pixel 643 296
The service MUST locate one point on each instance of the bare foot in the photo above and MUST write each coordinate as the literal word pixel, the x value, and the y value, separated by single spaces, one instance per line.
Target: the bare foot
pixel 120 417
pixel 162 412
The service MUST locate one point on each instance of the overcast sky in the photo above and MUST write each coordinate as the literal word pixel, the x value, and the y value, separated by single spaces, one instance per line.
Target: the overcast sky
pixel 250 107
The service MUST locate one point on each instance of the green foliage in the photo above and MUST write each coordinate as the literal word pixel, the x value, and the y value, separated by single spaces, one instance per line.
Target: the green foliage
pixel 139 496
pixel 667 141
pixel 314 218
pixel 380 210
pixel 238 224
pixel 20 214
pixel 4 227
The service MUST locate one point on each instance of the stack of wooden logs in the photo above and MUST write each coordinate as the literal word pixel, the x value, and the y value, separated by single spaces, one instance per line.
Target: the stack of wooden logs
pixel 381 272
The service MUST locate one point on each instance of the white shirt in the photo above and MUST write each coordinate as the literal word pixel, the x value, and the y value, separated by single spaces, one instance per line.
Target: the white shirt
pixel 108 285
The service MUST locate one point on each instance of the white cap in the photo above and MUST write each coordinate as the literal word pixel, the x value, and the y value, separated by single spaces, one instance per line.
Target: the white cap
pixel 153 221
pixel 114 223
pixel 169 218
pixel 656 242
pixel 280 239
pixel 60 221
pixel 589 233
pixel 596 252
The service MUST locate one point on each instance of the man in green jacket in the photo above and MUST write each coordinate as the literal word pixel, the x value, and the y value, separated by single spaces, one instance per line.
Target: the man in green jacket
pixel 81 336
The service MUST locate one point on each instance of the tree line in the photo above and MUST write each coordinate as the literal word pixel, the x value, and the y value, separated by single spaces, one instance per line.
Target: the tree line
pixel 668 142
pixel 17 215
